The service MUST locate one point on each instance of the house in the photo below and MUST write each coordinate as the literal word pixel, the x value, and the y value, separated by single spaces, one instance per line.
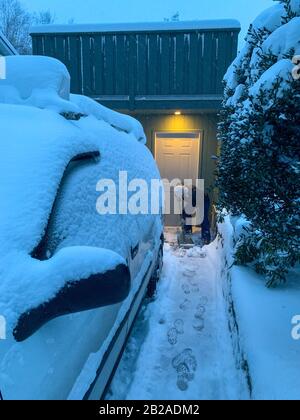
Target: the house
pixel 5 46
pixel 168 75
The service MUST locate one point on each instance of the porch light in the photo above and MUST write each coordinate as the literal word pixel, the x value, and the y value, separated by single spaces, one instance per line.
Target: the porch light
pixel 177 112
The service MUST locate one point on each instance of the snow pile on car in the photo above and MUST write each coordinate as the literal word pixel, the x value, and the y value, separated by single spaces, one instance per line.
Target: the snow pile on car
pixel 28 73
pixel 115 119
pixel 35 149
pixel 44 82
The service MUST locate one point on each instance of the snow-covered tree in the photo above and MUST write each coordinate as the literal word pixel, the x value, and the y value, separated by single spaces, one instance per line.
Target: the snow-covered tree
pixel 44 17
pixel 15 22
pixel 260 135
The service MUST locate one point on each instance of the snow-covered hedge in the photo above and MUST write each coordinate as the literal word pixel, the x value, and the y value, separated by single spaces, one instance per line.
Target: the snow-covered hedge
pixel 260 135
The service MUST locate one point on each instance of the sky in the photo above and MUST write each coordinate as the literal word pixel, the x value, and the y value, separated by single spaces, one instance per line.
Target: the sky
pixel 108 11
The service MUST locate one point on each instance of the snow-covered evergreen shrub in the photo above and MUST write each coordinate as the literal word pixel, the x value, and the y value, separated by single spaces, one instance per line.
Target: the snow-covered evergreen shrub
pixel 260 134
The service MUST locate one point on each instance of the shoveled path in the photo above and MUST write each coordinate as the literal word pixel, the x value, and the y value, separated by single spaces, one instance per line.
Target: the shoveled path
pixel 180 347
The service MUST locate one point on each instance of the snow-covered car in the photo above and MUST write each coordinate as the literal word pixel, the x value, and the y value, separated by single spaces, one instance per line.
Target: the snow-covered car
pixel 71 280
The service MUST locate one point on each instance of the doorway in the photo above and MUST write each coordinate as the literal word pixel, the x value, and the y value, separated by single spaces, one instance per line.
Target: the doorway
pixel 178 157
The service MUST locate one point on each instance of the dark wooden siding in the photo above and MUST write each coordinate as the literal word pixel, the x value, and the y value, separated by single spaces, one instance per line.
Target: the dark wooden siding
pixel 137 67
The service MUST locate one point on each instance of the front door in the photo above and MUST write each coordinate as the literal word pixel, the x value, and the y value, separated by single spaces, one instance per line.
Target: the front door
pixel 177 156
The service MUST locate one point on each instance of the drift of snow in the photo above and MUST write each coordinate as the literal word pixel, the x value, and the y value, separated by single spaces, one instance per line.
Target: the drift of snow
pixel 264 318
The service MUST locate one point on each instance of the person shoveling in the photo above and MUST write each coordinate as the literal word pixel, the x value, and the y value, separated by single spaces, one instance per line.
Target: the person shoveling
pixel 195 213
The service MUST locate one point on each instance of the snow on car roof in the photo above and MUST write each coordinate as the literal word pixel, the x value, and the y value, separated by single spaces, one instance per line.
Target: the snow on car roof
pixel 139 27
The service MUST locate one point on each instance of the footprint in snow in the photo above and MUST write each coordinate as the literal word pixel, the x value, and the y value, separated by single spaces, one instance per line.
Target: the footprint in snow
pixel 198 325
pixel 200 312
pixel 186 288
pixel 177 329
pixel 179 326
pixel 188 274
pixel 190 270
pixel 172 336
pixel 203 300
pixel 193 281
pixel 182 383
pixel 185 305
pixel 185 365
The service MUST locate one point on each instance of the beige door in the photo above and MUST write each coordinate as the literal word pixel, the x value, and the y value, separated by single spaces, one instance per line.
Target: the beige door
pixel 178 156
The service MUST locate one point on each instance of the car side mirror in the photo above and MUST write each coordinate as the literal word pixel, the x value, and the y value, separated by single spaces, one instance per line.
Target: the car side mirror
pixel 94 292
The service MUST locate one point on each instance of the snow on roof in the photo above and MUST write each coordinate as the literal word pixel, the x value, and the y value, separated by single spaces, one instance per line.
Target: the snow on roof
pixel 140 27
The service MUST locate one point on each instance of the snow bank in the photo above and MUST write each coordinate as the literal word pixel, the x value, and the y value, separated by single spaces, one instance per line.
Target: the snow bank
pixel 264 319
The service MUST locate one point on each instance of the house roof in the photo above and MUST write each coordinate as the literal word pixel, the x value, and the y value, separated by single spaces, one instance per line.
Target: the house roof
pixel 201 25
pixel 6 47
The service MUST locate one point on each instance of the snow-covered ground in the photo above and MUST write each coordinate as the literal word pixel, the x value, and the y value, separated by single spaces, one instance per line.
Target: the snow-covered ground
pixel 180 347
pixel 265 323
